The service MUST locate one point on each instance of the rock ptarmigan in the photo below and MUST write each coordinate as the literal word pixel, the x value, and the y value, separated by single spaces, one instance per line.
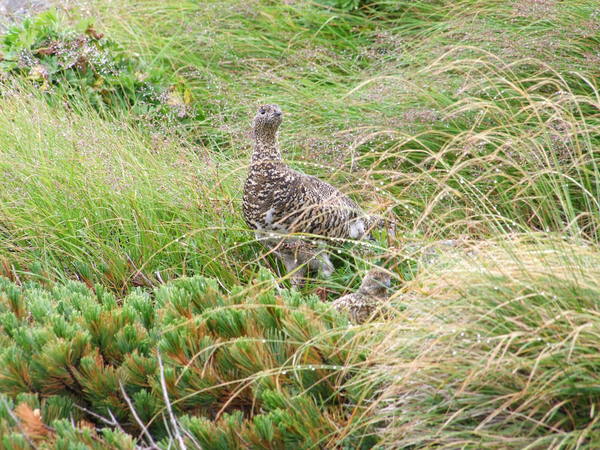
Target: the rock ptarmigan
pixel 278 199
pixel 372 292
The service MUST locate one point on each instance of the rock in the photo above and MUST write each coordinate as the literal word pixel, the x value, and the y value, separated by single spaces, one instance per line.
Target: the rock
pixel 13 11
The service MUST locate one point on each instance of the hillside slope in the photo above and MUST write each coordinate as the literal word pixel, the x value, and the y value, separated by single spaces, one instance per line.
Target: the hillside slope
pixel 136 307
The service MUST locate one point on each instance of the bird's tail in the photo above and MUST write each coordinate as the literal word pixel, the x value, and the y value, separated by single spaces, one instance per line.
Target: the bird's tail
pixel 379 223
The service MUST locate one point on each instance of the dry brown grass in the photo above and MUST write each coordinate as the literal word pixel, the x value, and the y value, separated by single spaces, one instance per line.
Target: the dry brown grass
pixel 495 347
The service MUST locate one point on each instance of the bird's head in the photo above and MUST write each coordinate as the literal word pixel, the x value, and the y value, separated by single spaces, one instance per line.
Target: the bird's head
pixel 267 121
pixel 376 282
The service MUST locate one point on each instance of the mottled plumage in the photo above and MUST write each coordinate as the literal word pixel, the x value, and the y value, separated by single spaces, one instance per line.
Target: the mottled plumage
pixel 299 255
pixel 282 200
pixel 370 295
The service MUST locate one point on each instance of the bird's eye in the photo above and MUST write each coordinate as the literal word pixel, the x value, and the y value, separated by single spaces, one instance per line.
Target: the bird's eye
pixel 262 111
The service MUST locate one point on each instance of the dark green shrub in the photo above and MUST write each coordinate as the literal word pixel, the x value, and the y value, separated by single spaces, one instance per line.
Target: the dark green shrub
pixel 79 62
pixel 253 368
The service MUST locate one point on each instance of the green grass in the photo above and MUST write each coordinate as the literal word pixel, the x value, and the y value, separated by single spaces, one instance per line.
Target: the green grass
pixel 474 121
pixel 98 200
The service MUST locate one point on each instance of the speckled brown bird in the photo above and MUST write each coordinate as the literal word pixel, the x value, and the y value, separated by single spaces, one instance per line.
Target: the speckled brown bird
pixel 298 255
pixel 278 199
pixel 372 292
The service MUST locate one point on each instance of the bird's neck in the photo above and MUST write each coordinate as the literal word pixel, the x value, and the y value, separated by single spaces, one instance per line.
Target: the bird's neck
pixel 379 292
pixel 266 148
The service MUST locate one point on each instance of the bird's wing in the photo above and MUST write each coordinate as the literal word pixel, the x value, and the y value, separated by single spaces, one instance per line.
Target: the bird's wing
pixel 307 204
pixel 329 194
pixel 333 197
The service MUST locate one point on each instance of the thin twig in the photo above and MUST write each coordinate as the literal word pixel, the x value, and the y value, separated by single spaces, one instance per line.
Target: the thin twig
pixel 18 423
pixel 112 423
pixel 157 273
pixel 147 280
pixel 192 438
pixel 137 418
pixel 163 385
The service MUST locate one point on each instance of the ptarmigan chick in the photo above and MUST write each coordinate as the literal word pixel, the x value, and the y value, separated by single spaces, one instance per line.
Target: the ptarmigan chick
pixel 278 199
pixel 299 255
pixel 370 295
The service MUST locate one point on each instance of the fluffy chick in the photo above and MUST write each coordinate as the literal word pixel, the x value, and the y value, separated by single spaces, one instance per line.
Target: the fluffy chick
pixel 372 292
pixel 299 255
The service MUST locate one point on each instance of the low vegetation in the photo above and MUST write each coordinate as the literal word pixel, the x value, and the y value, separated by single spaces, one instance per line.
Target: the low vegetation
pixel 136 309
pixel 504 351
pixel 80 63
pixel 251 367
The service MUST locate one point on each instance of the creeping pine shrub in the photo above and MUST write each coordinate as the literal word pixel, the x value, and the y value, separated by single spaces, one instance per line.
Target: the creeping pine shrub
pixel 80 63
pixel 249 369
